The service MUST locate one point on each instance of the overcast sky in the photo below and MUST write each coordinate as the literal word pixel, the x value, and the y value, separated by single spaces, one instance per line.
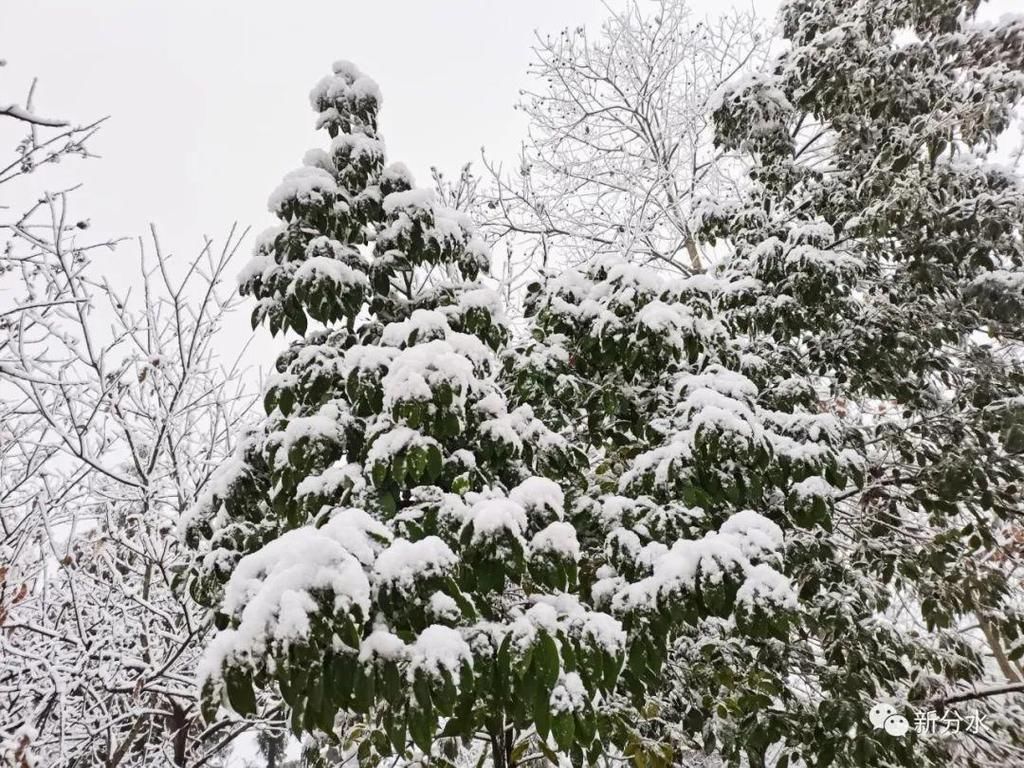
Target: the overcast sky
pixel 208 100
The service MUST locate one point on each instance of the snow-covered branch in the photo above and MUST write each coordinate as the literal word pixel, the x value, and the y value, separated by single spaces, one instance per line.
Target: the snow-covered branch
pixel 620 137
pixel 115 406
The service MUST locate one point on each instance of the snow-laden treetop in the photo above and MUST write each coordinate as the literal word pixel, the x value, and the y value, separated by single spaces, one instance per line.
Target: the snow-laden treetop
pixel 403 539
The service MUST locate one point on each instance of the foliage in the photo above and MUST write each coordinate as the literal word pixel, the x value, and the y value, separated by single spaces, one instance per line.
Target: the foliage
pixel 413 557
pixel 888 284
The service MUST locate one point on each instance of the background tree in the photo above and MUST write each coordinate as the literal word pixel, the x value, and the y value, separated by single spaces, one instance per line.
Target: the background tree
pixel 649 373
pixel 113 412
pixel 620 141
pixel 889 275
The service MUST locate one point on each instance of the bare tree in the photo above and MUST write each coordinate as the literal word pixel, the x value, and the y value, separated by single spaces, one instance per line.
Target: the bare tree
pixel 114 409
pixel 620 137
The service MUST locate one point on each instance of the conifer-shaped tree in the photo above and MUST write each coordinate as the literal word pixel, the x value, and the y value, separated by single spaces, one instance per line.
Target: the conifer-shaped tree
pixel 403 544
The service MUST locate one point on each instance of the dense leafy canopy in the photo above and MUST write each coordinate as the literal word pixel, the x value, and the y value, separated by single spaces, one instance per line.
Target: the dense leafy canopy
pixel 402 541
pixel 729 512
pixel 886 245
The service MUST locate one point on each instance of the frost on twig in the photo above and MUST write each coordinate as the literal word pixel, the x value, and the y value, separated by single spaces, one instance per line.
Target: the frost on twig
pixel 114 407
pixel 20 113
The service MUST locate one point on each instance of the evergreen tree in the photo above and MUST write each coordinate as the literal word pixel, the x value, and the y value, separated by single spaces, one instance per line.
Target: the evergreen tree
pixel 889 292
pixel 686 431
pixel 402 542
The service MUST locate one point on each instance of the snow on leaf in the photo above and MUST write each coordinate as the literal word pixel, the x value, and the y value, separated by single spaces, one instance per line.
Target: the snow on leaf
pixel 439 648
pixel 405 562
pixel 493 517
pixel 303 185
pixel 559 539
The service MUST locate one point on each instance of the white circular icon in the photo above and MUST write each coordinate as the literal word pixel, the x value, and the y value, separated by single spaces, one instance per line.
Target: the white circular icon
pixel 885 716
pixel 879 713
pixel 896 725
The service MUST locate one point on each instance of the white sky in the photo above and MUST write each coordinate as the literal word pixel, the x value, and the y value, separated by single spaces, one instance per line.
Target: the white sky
pixel 208 99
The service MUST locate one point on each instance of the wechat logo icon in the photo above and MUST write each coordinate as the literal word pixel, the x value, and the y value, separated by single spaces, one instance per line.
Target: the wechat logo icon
pixel 885 716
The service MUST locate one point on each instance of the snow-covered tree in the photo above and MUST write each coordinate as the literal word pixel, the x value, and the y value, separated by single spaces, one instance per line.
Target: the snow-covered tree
pixel 620 144
pixel 688 440
pixel 410 555
pixel 889 293
pixel 106 440
pixel 113 413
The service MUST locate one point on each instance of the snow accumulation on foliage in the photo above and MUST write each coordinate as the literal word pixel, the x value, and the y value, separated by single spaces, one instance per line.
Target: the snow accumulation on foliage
pixel 404 515
pixel 668 494
pixel 746 468
pixel 304 185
